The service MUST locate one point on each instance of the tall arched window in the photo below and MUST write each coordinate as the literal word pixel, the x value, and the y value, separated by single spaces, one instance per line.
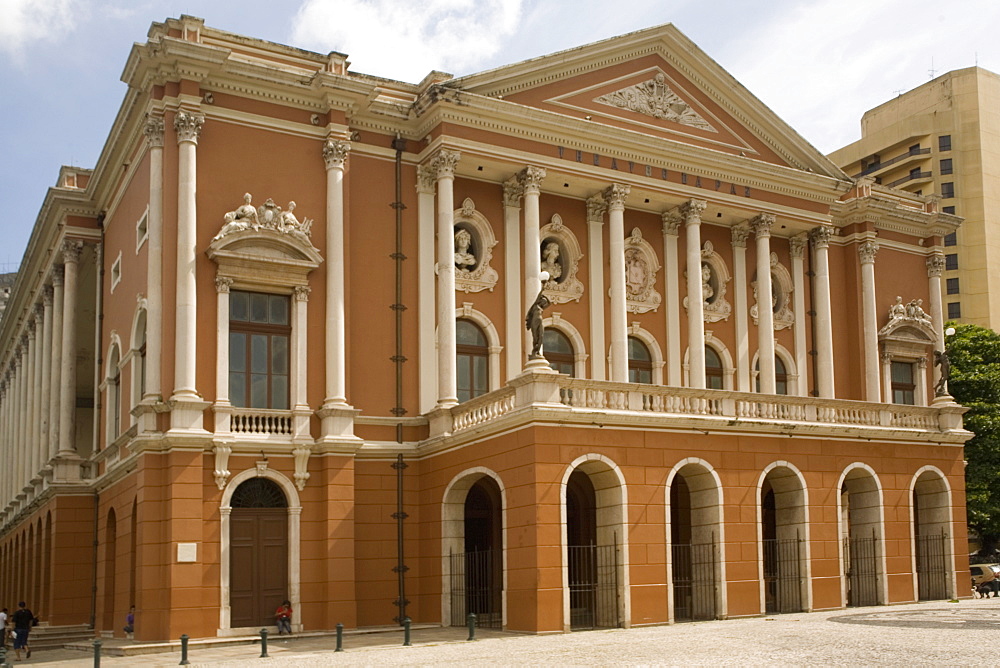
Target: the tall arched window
pixel 473 360
pixel 780 376
pixel 558 351
pixel 114 395
pixel 713 370
pixel 139 359
pixel 640 362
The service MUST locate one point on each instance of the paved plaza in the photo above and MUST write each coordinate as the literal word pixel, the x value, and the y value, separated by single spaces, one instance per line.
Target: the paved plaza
pixel 926 634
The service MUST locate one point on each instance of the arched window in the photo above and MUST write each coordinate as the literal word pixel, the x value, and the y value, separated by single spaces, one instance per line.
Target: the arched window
pixel 558 351
pixel 780 376
pixel 714 379
pixel 114 395
pixel 473 360
pixel 139 359
pixel 640 362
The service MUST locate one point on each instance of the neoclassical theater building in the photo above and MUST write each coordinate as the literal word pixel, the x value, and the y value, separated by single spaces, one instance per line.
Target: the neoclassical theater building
pixel 273 346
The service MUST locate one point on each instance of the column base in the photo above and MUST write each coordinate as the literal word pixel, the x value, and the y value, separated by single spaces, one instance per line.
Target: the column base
pixel 337 422
pixel 538 365
pixel 187 415
pixel 66 467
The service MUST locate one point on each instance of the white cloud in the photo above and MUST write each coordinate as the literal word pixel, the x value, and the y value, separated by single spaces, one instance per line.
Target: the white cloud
pixel 820 64
pixel 26 21
pixel 403 39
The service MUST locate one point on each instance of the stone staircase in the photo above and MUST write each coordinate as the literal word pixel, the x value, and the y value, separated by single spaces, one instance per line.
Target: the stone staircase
pixel 44 636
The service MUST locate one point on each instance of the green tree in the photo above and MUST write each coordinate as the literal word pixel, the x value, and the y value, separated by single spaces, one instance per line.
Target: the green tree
pixel 974 353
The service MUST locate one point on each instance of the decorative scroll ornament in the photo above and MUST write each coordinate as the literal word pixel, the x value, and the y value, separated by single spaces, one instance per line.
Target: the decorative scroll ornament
pixel 561 258
pixel 474 242
pixel 268 216
pixel 654 98
pixel 641 266
pixel 714 277
pixel 301 455
pixel 781 296
pixel 222 452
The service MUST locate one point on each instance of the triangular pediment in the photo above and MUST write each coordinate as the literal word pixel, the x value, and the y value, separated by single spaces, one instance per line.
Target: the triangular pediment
pixel 655 82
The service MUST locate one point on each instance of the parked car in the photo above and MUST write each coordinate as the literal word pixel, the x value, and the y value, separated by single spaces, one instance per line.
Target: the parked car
pixel 984 573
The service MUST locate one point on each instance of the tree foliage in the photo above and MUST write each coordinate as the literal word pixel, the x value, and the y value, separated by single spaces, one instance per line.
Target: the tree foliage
pixel 974 353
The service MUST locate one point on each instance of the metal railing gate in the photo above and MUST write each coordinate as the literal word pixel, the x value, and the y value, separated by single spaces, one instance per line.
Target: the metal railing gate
pixel 861 569
pixel 932 571
pixel 477 586
pixel 783 575
pixel 694 582
pixel 593 586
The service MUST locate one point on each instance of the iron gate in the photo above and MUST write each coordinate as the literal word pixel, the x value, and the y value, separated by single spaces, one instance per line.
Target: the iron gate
pixel 593 586
pixel 477 586
pixel 694 568
pixel 861 569
pixel 932 572
pixel 783 575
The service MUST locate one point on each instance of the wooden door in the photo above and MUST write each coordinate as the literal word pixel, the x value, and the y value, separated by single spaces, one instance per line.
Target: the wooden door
pixel 258 564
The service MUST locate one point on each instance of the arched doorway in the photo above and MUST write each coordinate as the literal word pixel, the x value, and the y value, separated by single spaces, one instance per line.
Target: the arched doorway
pixel 110 553
pixel 783 541
pixel 596 593
pixel 258 552
pixel 931 549
pixel 861 537
pixel 694 532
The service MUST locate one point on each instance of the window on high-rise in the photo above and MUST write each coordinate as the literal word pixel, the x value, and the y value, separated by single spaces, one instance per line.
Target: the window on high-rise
pixel 944 143
pixel 951 239
pixel 947 189
pixel 949 209
pixel 954 310
pixel 946 167
pixel 951 286
pixel 951 261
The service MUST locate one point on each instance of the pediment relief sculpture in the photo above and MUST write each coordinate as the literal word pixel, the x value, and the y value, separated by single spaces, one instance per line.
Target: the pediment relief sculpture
pixel 560 255
pixel 268 216
pixel 908 323
pixel 655 99
pixel 474 242
pixel 714 279
pixel 641 266
pixel 781 296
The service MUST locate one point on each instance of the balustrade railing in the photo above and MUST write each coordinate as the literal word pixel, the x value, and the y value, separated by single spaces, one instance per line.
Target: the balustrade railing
pixel 258 421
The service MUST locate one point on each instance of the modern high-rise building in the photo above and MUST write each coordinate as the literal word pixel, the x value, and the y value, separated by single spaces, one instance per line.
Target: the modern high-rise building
pixel 273 346
pixel 943 138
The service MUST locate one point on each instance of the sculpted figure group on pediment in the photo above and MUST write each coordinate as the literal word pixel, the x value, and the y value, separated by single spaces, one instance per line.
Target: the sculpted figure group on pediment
pixel 268 216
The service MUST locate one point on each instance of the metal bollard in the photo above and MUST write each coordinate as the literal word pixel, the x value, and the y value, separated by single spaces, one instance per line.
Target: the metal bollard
pixel 263 643
pixel 472 626
pixel 97 653
pixel 340 637
pixel 406 632
pixel 184 650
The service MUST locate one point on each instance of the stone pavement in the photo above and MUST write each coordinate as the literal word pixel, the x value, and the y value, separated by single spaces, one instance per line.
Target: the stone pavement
pixel 922 634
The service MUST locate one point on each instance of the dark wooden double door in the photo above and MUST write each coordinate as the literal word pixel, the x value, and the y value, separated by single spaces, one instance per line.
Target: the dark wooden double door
pixel 258 564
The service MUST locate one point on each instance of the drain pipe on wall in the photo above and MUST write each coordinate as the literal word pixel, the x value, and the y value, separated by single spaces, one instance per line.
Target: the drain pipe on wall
pixel 399 144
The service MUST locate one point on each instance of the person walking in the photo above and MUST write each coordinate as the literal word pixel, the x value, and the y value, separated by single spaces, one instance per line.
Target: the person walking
pixel 130 623
pixel 284 616
pixel 23 620
pixel 3 627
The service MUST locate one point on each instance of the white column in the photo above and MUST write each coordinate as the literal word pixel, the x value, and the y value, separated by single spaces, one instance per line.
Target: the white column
pixel 530 179
pixel 824 317
pixel 44 406
pixel 761 225
pixel 886 360
pixel 19 439
pixel 298 357
pixel 596 206
pixel 222 287
pixel 691 212
pixel 921 389
pixel 739 234
pixel 67 376
pixel 444 166
pixel 5 435
pixel 514 329
pixel 797 247
pixel 615 196
pixel 935 267
pixel 55 395
pixel 37 445
pixel 188 127
pixel 427 361
pixel 154 260
pixel 671 263
pixel 866 253
pixel 335 156
pixel 30 367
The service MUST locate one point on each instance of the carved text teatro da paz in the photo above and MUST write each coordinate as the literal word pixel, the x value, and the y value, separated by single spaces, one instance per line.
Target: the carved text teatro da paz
pixel 273 346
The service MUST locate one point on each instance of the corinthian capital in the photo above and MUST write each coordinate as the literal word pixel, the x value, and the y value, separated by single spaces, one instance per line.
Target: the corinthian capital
pixel 615 195
pixel 935 266
pixel 335 153
pixel 223 284
pixel 425 179
pixel 797 245
pixel 71 250
pixel 513 191
pixel 739 234
pixel 867 251
pixel 761 224
pixel 821 236
pixel 188 126
pixel 444 163
pixel 530 179
pixel 671 222
pixel 596 206
pixel 57 276
pixel 153 129
pixel 691 211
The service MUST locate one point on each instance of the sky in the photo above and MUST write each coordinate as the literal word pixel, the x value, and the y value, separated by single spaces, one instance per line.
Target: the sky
pixel 818 64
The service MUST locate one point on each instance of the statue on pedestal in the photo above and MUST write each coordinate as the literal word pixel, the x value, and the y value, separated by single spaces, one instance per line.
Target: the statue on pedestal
pixel 941 360
pixel 533 319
